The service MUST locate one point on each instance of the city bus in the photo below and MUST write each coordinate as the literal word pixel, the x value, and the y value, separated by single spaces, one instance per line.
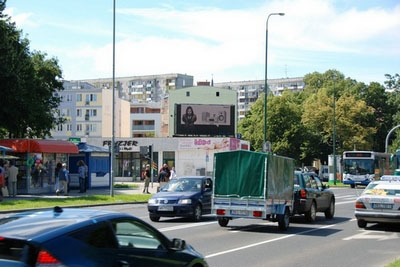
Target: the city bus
pixel 362 167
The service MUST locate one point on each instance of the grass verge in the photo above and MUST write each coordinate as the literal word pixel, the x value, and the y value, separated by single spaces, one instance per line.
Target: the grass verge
pixel 394 264
pixel 38 203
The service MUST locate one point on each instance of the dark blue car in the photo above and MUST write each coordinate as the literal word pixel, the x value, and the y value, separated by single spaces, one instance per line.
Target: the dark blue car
pixel 187 196
pixel 84 237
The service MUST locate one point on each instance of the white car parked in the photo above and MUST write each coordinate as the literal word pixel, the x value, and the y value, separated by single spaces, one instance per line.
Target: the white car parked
pixel 379 202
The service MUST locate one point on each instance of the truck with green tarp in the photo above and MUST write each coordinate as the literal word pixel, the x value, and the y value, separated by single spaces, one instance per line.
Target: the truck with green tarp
pixel 252 185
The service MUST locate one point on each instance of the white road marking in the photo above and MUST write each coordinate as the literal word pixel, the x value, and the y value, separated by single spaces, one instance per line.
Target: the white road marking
pixel 345 196
pixel 346 202
pixel 268 241
pixel 370 234
pixel 184 226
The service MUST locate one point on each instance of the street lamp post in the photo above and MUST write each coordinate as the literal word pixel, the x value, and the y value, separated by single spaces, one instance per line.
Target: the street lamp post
pixel 113 112
pixel 334 132
pixel 266 82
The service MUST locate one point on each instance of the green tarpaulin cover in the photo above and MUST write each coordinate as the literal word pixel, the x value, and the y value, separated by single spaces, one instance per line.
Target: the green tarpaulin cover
pixel 241 174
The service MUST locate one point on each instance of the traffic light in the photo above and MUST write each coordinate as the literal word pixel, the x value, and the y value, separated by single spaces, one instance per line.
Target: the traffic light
pixel 149 151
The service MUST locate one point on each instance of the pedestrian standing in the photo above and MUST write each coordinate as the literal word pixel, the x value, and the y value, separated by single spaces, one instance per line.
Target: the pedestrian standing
pixel 147 176
pixel 12 174
pixel 86 182
pixel 63 179
pixel 2 179
pixel 81 175
pixel 173 173
pixel 56 172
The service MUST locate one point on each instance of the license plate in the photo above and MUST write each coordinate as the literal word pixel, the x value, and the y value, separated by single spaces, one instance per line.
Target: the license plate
pixel 239 212
pixel 382 206
pixel 165 208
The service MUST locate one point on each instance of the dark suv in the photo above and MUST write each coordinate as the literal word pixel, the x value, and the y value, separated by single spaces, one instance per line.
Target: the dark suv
pixel 311 196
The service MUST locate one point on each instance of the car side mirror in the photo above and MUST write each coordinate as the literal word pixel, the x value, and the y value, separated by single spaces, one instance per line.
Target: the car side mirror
pixel 178 244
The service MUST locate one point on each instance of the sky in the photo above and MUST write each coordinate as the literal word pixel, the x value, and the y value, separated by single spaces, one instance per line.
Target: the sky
pixel 223 40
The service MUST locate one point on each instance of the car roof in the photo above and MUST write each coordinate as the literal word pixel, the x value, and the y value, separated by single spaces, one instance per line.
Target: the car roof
pixel 387 184
pixel 45 224
pixel 193 177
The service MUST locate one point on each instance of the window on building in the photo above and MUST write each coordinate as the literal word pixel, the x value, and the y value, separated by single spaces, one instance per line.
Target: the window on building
pixel 79 127
pixel 79 112
pixel 187 93
pixel 217 93
pixel 93 112
pixel 79 97
pixel 69 97
pixel 93 97
pixel 60 127
pixel 69 127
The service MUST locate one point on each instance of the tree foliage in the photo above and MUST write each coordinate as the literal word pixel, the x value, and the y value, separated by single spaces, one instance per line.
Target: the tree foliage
pixel 300 125
pixel 28 82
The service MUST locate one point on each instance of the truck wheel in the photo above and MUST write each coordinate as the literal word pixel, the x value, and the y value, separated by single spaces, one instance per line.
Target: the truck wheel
pixel 197 213
pixel 352 185
pixel 223 221
pixel 331 210
pixel 361 223
pixel 283 220
pixel 312 213
pixel 154 218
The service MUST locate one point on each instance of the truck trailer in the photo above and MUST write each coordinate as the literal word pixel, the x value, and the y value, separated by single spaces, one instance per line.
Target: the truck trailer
pixel 252 185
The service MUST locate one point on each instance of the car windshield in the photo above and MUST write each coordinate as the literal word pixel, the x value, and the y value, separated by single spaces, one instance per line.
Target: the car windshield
pixel 182 185
pixel 382 190
pixel 359 166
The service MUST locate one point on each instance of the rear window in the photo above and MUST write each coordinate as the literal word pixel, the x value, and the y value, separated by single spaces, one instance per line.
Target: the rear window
pixel 99 236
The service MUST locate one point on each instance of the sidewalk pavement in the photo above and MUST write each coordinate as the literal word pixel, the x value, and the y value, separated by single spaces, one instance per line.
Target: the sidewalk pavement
pixel 95 191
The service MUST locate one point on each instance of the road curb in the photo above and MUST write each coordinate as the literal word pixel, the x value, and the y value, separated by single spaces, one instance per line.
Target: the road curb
pixel 73 206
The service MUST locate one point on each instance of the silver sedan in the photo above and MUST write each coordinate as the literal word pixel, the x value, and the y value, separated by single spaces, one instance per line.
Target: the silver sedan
pixel 379 202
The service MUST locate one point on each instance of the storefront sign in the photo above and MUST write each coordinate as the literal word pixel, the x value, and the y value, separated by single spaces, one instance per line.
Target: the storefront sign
pixel 204 143
pixel 129 145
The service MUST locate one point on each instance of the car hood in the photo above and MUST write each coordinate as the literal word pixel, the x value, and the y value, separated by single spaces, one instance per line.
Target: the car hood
pixel 175 195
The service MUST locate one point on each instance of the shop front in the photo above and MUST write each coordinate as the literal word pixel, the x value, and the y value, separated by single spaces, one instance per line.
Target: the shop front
pixel 189 156
pixel 36 160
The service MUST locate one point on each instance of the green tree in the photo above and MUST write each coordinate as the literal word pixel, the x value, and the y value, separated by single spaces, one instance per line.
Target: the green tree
pixel 393 82
pixel 351 114
pixel 29 84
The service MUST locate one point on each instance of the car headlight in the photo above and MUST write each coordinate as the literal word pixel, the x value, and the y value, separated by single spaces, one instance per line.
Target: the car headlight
pixel 185 201
pixel 152 201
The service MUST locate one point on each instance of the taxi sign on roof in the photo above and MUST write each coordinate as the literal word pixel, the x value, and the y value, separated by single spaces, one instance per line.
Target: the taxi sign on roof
pixel 390 178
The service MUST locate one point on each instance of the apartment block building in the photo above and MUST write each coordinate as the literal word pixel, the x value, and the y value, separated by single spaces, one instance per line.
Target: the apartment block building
pixel 145 119
pixel 88 112
pixel 250 91
pixel 147 88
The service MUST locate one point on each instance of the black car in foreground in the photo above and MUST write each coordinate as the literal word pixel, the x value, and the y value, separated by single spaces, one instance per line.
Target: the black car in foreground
pixel 312 196
pixel 186 196
pixel 85 237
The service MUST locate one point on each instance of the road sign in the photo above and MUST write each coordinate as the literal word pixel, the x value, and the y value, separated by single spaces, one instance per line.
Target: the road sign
pixel 75 140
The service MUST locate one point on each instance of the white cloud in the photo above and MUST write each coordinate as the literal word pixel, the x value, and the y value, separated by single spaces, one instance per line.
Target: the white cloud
pixel 21 19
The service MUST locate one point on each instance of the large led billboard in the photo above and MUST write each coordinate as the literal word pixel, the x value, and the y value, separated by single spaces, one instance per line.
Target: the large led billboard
pixel 209 120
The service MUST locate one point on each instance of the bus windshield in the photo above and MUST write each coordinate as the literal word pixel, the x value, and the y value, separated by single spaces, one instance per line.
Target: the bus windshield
pixel 359 166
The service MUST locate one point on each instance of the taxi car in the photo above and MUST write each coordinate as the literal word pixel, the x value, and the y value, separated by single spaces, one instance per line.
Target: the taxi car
pixel 379 202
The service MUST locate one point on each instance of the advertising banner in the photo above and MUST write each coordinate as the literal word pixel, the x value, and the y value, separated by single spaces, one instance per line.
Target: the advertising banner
pixel 211 120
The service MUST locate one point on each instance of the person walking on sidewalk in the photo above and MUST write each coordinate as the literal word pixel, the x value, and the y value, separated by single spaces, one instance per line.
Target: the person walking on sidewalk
pixel 147 176
pixel 63 180
pixel 12 173
pixel 81 174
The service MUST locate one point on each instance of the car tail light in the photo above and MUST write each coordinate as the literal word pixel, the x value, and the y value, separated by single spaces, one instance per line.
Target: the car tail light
pixel 220 212
pixel 396 200
pixel 1 238
pixel 303 193
pixel 44 258
pixel 360 205
pixel 257 213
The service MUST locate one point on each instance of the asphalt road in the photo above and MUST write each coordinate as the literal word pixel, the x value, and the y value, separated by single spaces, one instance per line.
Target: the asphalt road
pixel 245 242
